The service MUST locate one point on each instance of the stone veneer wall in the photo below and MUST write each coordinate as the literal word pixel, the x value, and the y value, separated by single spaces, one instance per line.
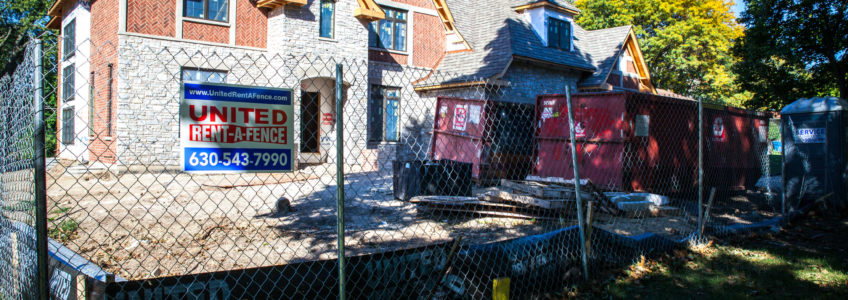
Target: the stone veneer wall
pixel 527 81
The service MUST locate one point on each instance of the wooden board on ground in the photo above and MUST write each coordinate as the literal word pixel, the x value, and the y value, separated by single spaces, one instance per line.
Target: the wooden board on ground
pixel 539 190
pixel 492 213
pixel 528 200
pixel 586 186
pixel 483 206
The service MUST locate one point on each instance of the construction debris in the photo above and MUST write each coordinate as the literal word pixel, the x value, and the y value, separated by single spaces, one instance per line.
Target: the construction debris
pixel 549 198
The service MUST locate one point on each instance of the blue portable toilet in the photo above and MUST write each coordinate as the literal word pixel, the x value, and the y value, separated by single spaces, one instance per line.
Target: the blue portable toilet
pixel 815 151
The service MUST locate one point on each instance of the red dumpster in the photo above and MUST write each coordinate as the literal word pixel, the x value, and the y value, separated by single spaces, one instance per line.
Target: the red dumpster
pixel 638 142
pixel 736 143
pixel 496 137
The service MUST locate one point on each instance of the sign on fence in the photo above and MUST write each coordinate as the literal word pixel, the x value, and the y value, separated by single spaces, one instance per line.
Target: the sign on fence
pixel 228 128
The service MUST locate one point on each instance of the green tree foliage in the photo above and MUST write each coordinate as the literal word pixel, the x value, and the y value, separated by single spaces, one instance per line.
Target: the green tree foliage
pixel 793 49
pixel 20 22
pixel 687 44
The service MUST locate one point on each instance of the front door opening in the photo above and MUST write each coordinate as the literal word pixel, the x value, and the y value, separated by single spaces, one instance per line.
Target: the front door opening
pixel 310 126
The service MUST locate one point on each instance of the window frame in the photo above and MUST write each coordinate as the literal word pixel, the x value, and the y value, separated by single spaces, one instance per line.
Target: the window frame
pixel 201 71
pixel 566 40
pixel 374 40
pixel 332 33
pixel 384 100
pixel 68 78
pixel 206 15
pixel 69 47
pixel 68 134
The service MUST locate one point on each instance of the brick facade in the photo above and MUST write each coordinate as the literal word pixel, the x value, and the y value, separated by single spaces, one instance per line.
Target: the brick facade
pixel 104 53
pixel 387 57
pixel 429 40
pixel 251 25
pixel 153 17
pixel 206 32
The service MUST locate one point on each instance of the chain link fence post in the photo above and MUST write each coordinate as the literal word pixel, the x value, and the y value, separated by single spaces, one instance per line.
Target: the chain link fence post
pixel 40 175
pixel 577 185
pixel 340 193
pixel 700 167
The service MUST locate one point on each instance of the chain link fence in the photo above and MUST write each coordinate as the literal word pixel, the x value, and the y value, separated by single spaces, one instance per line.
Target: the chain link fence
pixel 451 187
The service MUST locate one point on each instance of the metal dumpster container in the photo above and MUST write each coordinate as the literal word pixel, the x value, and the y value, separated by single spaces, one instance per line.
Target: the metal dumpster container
pixel 642 142
pixel 495 137
pixel 815 151
pixel 736 147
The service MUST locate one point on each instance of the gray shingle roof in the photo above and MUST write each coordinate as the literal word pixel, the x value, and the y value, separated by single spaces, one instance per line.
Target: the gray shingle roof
pixel 497 34
pixel 604 46
pixel 561 3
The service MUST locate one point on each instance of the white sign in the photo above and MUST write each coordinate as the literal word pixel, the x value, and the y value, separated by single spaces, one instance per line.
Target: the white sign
pixel 643 125
pixel 474 114
pixel 235 129
pixel 810 135
pixel 460 117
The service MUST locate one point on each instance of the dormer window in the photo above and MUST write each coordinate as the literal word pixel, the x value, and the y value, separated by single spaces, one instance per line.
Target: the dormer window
pixel 559 34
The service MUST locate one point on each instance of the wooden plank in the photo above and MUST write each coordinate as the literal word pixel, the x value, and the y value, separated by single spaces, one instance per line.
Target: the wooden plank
pixel 537 189
pixel 442 199
pixel 492 213
pixel 586 186
pixel 529 200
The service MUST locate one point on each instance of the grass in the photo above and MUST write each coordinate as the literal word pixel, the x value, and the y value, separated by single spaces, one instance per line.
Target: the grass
pixel 64 231
pixel 765 266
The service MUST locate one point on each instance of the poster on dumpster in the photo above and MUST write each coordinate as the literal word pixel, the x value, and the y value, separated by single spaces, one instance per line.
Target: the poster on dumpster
pixel 718 130
pixel 460 117
pixel 228 128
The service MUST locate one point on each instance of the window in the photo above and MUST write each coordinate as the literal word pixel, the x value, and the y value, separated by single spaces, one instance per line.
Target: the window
pixel 328 8
pixel 68 83
pixel 559 34
pixel 69 39
pixel 389 33
pixel 68 126
pixel 201 75
pixel 384 126
pixel 215 10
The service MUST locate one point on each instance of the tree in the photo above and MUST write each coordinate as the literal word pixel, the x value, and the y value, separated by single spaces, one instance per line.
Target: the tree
pixel 20 20
pixel 686 43
pixel 794 49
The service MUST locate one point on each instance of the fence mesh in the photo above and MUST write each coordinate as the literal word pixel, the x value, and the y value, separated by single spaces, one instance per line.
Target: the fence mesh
pixel 450 183
pixel 18 273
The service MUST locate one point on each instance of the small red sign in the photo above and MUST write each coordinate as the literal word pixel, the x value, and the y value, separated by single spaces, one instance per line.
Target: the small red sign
pixel 718 130
pixel 460 118
pixel 327 119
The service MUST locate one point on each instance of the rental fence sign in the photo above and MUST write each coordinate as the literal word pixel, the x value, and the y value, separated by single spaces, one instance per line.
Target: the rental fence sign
pixel 228 128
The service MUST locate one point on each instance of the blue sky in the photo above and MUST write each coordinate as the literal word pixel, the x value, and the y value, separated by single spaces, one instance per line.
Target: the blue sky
pixel 738 7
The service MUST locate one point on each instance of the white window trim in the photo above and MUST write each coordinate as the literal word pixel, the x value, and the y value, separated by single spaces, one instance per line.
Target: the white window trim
pixel 206 21
pixel 540 27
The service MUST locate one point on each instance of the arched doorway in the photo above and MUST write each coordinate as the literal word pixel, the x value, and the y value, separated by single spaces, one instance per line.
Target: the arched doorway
pixel 317 123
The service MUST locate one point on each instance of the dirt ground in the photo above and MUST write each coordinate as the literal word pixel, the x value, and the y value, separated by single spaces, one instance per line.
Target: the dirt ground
pixel 151 224
pixel 154 223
